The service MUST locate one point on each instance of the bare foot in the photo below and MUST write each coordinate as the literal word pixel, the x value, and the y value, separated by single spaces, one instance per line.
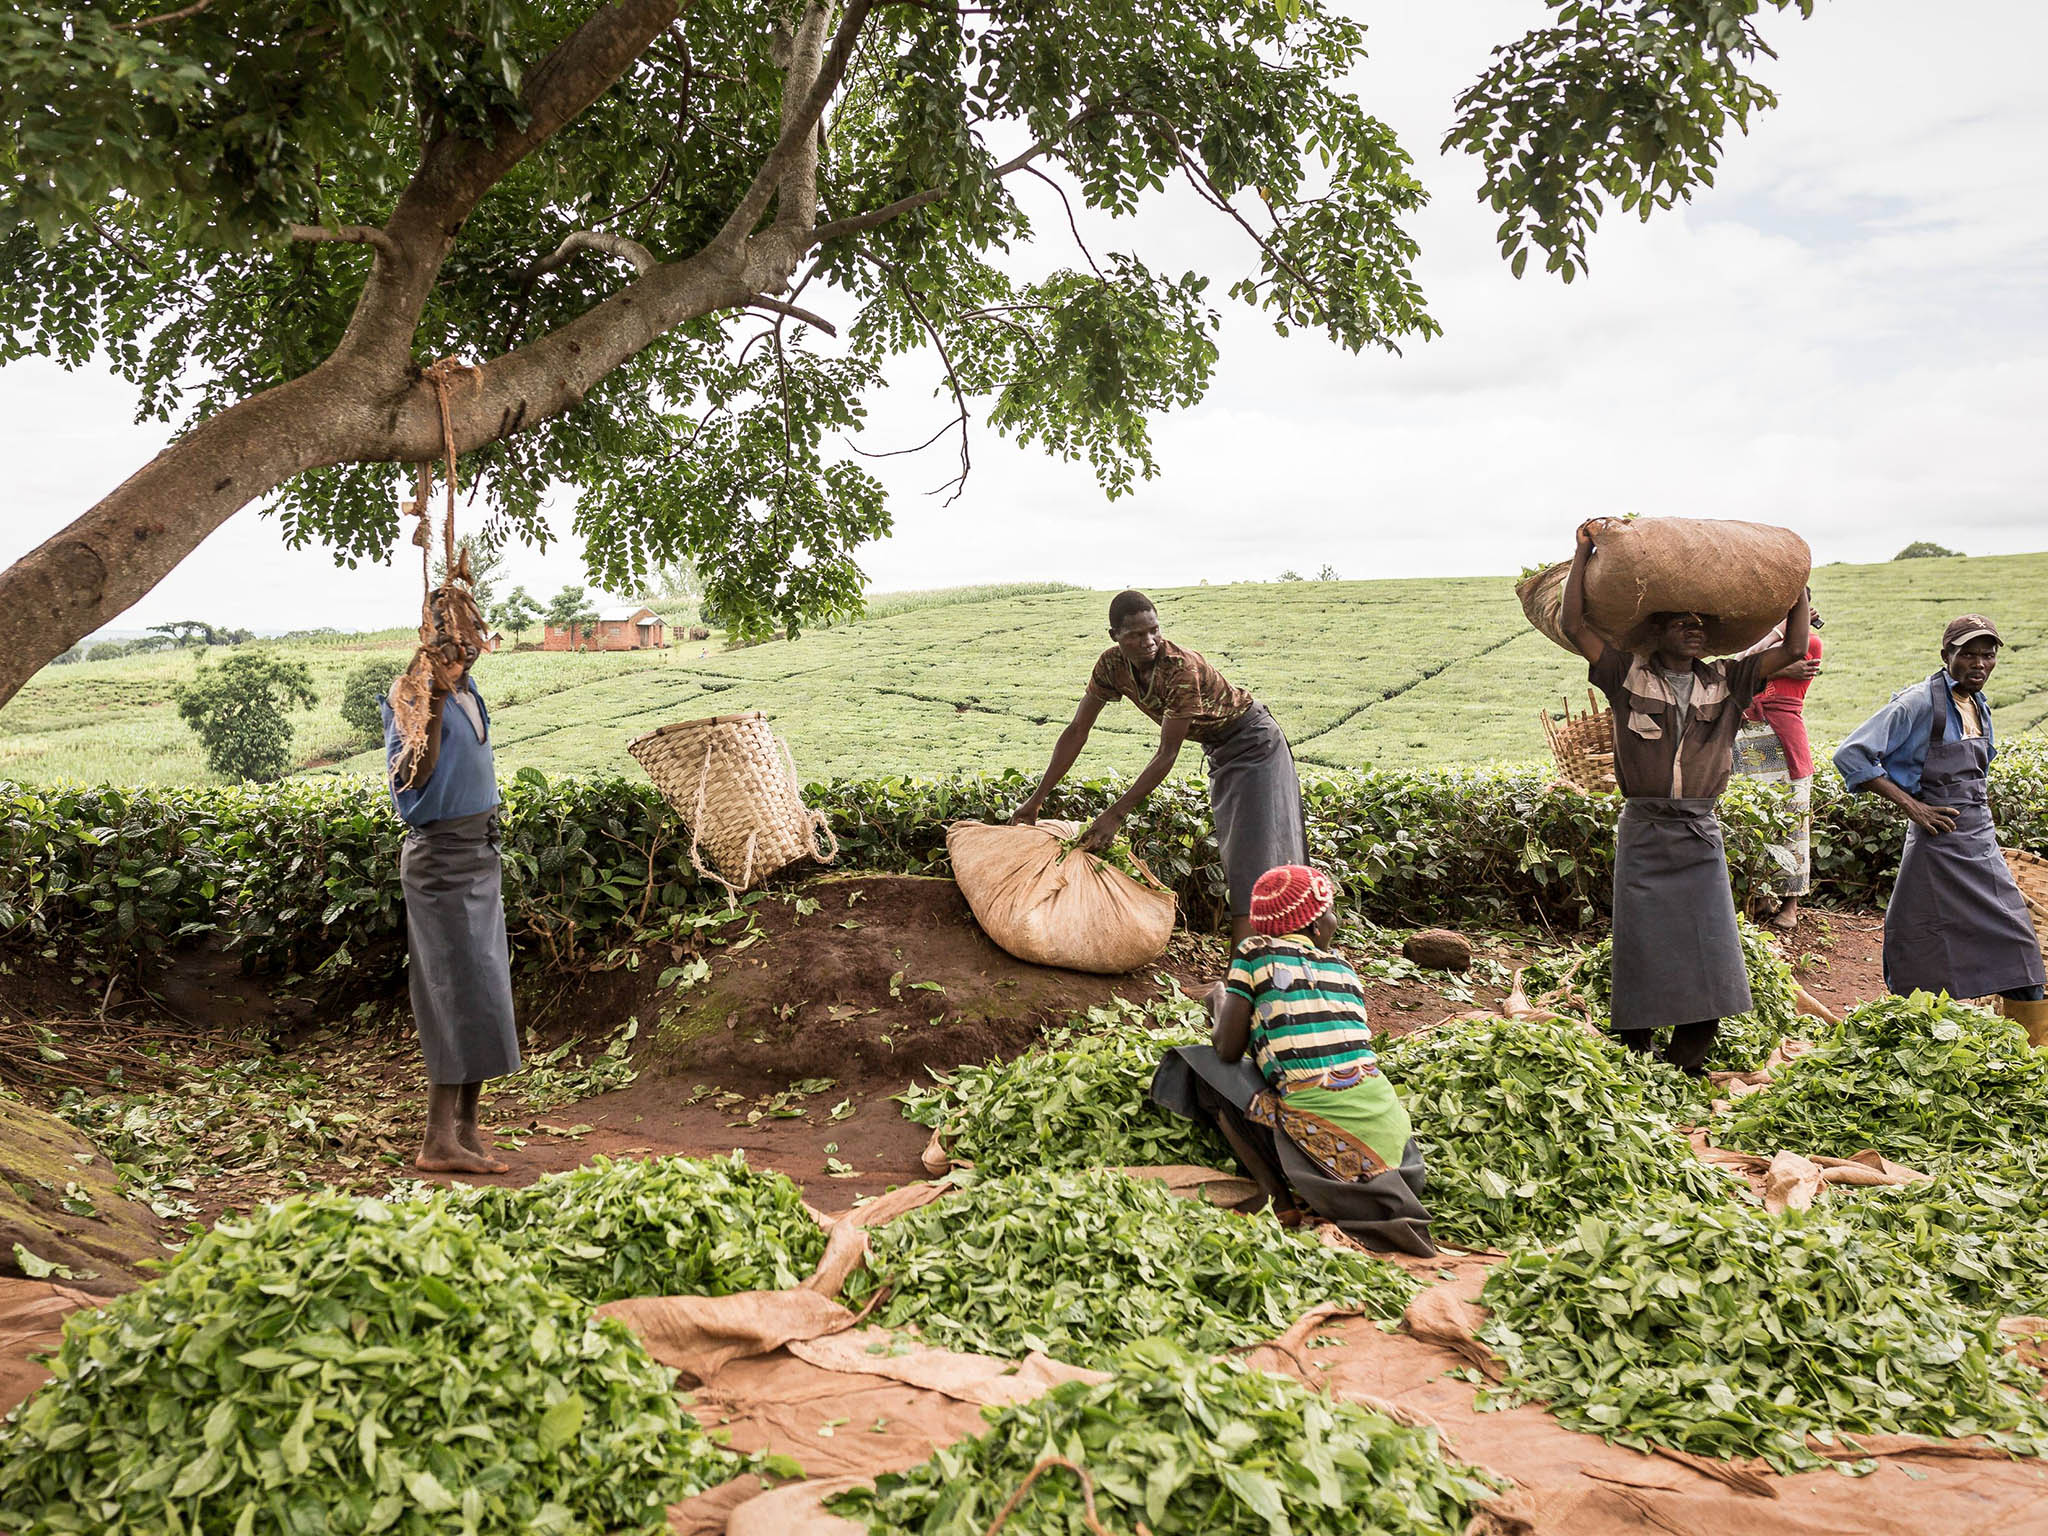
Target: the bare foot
pixel 1787 917
pixel 453 1157
pixel 471 1135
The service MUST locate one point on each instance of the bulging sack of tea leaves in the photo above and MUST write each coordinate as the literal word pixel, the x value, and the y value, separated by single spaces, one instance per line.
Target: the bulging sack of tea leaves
pixel 1049 903
pixel 1742 576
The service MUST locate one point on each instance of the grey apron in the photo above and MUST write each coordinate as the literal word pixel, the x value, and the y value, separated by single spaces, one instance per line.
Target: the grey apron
pixel 461 971
pixel 1677 956
pixel 1956 922
pixel 1255 794
pixel 1383 1212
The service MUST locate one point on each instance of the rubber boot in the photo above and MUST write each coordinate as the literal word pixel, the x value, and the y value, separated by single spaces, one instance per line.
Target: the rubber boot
pixel 2032 1017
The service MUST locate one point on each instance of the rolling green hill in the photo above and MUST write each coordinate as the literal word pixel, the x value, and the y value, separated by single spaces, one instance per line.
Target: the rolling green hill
pixel 1397 673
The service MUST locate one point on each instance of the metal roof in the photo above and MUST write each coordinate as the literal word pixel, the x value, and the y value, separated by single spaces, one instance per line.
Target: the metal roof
pixel 621 615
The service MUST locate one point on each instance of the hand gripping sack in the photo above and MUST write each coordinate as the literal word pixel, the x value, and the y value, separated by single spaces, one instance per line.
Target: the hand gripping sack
pixel 1743 575
pixel 1074 911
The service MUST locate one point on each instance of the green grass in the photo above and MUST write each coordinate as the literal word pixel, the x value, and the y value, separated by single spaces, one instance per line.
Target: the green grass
pixel 1398 673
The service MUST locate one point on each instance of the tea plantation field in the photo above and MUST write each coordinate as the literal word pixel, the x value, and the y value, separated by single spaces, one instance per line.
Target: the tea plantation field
pixel 1396 673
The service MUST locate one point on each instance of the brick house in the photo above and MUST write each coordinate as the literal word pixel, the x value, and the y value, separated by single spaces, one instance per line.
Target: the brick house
pixel 617 629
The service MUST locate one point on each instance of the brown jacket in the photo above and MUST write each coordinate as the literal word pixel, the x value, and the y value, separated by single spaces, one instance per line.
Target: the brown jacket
pixel 1650 757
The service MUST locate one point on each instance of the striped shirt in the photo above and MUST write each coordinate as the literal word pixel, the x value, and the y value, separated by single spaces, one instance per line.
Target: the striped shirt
pixel 1308 1025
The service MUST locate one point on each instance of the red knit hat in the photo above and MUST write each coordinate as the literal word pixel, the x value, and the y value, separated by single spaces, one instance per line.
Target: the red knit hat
pixel 1288 899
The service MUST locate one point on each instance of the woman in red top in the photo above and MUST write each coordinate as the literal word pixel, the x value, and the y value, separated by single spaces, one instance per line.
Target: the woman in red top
pixel 1776 749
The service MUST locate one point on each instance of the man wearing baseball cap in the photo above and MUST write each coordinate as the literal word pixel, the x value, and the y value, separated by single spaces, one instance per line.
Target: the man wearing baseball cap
pixel 1291 1080
pixel 1956 922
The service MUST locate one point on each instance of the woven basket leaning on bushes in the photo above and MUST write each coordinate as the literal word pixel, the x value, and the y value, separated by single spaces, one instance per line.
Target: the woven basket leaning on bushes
pixel 734 783
pixel 1583 747
pixel 2030 873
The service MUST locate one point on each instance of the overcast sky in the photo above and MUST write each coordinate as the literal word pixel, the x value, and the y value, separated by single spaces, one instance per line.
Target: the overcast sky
pixel 1848 335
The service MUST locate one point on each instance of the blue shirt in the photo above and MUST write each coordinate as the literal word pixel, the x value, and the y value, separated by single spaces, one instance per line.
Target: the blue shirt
pixel 1893 742
pixel 465 779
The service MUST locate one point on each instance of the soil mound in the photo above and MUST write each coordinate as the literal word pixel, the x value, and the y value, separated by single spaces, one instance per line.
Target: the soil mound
pixel 857 976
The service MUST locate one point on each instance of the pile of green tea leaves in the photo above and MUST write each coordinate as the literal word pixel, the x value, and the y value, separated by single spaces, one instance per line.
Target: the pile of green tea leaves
pixel 1745 1040
pixel 1980 1227
pixel 1727 1332
pixel 1921 1079
pixel 1190 1448
pixel 1527 1126
pixel 1118 856
pixel 1078 1101
pixel 338 1364
pixel 1078 1264
pixel 668 1226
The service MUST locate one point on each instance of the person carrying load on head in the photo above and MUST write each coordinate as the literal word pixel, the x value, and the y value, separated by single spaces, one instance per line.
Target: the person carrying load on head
pixel 444 784
pixel 1773 748
pixel 1956 922
pixel 1677 955
pixel 1309 1114
pixel 1254 790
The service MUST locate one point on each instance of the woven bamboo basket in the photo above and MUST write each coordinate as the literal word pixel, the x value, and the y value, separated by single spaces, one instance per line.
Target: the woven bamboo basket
pixel 2030 873
pixel 734 783
pixel 1583 747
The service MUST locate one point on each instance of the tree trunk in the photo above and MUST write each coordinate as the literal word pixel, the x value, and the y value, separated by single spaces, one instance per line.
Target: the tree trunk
pixel 94 570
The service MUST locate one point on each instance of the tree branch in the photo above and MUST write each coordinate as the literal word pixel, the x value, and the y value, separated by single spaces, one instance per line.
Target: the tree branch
pixel 860 223
pixel 168 16
pixel 798 128
pixel 633 251
pixel 816 322
pixel 348 234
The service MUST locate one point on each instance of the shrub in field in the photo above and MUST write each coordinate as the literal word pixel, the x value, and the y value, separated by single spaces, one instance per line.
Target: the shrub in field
pixel 1921 1079
pixel 238 711
pixel 1081 1263
pixel 1184 1447
pixel 1724 1331
pixel 1529 1126
pixel 362 692
pixel 342 1365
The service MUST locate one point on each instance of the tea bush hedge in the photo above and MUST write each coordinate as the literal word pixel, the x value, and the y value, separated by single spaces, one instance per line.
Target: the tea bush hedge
pixel 302 877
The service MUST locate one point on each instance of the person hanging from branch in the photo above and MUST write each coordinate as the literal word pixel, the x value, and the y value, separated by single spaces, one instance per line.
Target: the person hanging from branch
pixel 1254 790
pixel 444 784
pixel 1956 922
pixel 1677 954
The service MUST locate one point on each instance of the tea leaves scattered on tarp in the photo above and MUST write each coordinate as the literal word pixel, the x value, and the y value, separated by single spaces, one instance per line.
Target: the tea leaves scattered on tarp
pixel 1078 1264
pixel 1190 1448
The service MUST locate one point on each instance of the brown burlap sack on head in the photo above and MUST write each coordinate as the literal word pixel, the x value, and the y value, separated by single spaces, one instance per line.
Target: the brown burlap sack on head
pixel 1743 575
pixel 1052 907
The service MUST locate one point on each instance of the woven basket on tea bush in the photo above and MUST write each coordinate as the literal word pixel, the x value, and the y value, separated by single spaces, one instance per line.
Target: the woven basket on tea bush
pixel 734 783
pixel 1583 747
pixel 2030 873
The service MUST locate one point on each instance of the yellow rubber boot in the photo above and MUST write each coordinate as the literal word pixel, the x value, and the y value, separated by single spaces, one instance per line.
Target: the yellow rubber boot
pixel 2032 1017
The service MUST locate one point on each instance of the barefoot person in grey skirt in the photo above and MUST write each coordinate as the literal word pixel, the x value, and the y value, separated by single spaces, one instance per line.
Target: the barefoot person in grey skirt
pixel 437 742
pixel 1253 788
pixel 1677 956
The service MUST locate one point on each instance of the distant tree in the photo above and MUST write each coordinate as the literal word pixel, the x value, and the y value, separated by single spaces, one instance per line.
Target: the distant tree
pixel 672 581
pixel 1328 573
pixel 76 653
pixel 189 632
pixel 107 650
pixel 1291 576
pixel 517 613
pixel 567 607
pixel 145 645
pixel 486 564
pixel 360 695
pixel 1922 549
pixel 238 710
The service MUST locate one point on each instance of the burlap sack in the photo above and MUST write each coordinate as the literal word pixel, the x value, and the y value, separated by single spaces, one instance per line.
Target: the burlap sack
pixel 1073 911
pixel 1744 576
